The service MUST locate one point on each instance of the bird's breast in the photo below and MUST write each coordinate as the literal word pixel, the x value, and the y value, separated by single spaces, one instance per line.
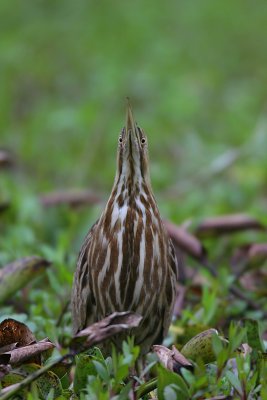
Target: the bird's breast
pixel 130 260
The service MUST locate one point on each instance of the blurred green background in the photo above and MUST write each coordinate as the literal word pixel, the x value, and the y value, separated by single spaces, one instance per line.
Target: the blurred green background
pixel 196 73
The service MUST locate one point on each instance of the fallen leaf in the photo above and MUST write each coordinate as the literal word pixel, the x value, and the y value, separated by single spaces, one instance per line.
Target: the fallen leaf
pixel 250 255
pixel 255 281
pixel 8 347
pixel 186 241
pixel 27 353
pixel 14 334
pixel 227 224
pixel 104 329
pixel 200 347
pixel 172 359
pixel 17 274
pixel 71 198
pixel 45 382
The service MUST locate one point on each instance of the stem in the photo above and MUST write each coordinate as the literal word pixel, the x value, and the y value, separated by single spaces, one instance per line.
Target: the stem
pixel 146 388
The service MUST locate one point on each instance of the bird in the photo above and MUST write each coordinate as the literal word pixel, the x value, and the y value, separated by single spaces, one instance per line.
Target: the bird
pixel 127 261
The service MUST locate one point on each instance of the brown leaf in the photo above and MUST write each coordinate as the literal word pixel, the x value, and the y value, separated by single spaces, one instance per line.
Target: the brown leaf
pixel 250 255
pixel 27 353
pixel 186 241
pixel 171 359
pixel 104 329
pixel 17 274
pixel 15 333
pixel 71 198
pixel 227 224
pixel 258 252
pixel 255 281
pixel 8 347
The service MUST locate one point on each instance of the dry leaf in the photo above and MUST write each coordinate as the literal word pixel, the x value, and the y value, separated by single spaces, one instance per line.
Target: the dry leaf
pixel 227 224
pixel 255 281
pixel 249 255
pixel 14 333
pixel 104 329
pixel 186 242
pixel 71 198
pixel 8 347
pixel 17 274
pixel 30 353
pixel 171 359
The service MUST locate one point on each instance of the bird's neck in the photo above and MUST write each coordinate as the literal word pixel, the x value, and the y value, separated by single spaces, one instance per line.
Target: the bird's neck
pixel 128 189
pixel 129 198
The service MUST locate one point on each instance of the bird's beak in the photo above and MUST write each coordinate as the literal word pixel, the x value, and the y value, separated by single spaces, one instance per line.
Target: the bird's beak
pixel 131 127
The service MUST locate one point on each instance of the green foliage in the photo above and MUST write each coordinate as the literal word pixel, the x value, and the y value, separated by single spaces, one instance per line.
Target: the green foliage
pixel 171 385
pixel 253 335
pixel 96 376
pixel 231 371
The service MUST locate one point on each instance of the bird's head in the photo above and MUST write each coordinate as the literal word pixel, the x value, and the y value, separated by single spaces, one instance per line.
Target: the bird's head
pixel 133 151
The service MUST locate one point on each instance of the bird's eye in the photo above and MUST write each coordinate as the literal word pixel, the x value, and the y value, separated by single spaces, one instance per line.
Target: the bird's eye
pixel 120 139
pixel 143 140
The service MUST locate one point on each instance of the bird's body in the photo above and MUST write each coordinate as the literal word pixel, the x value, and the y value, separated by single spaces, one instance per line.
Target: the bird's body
pixel 127 262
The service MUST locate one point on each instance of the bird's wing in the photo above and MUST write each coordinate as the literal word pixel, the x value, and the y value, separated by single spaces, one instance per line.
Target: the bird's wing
pixel 171 289
pixel 174 262
pixel 82 297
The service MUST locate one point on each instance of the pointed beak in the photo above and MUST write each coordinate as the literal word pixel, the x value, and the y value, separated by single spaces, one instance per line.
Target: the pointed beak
pixel 131 127
pixel 130 124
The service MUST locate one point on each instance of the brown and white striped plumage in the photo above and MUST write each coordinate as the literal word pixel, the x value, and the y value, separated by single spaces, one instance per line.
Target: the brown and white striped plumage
pixel 127 262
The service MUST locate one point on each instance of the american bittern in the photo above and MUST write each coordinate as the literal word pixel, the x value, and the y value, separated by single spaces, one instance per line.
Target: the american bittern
pixel 127 262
